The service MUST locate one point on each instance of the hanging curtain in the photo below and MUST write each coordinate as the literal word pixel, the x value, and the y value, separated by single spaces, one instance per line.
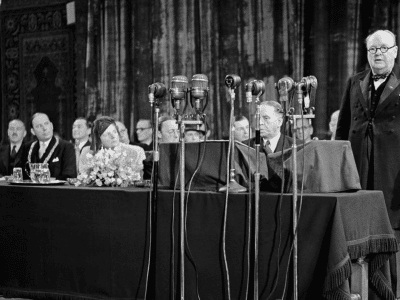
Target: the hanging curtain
pixel 107 59
pixel 131 45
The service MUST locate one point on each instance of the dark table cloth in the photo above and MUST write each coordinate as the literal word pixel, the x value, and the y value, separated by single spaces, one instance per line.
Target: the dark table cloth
pixel 92 243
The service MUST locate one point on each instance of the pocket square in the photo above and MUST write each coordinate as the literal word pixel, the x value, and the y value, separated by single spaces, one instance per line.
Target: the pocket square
pixel 55 159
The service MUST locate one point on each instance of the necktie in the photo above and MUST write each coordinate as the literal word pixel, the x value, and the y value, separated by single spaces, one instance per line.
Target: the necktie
pixel 77 155
pixel 267 147
pixel 14 152
pixel 42 149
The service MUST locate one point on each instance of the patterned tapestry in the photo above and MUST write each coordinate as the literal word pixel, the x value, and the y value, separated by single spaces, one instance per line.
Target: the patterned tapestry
pixel 37 66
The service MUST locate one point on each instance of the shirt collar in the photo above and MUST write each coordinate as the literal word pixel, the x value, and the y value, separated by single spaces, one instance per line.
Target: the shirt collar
pixel 273 142
pixel 18 145
pixel 46 143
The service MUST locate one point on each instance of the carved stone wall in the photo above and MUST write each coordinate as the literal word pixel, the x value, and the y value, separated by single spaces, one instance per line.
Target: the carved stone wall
pixel 37 64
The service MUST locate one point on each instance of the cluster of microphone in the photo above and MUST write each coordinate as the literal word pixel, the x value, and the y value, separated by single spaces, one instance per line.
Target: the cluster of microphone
pixel 305 93
pixel 180 91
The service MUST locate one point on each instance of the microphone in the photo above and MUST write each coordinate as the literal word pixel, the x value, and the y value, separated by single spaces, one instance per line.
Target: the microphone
pixel 179 85
pixel 284 86
pixel 199 86
pixel 306 85
pixel 178 90
pixel 232 81
pixel 254 88
pixel 156 90
pixel 199 91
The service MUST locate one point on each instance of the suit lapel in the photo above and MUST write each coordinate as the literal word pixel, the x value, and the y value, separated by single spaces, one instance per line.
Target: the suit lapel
pixel 280 143
pixel 19 155
pixel 364 86
pixel 48 149
pixel 391 85
pixel 5 154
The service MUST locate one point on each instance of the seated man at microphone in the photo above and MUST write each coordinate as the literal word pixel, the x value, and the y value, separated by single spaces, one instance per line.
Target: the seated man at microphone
pixel 271 120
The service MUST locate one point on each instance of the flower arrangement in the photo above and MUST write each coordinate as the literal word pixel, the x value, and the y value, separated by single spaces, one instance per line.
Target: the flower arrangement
pixel 109 167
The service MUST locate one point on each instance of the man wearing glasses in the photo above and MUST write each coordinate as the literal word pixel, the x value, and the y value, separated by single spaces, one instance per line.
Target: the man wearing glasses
pixel 144 133
pixel 370 119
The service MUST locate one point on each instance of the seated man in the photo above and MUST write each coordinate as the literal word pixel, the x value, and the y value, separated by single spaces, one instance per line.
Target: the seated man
pixel 144 131
pixel 80 132
pixel 194 134
pixel 11 154
pixel 241 128
pixel 59 154
pixel 271 120
pixel 168 131
pixel 304 130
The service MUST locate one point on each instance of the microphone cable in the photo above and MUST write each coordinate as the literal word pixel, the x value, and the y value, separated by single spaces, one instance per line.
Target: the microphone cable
pixel 299 213
pixel 249 201
pixel 173 290
pixel 225 216
pixel 280 201
pixel 198 166
pixel 150 230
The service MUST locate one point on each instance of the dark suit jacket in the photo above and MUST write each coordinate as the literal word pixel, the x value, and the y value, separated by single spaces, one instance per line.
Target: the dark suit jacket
pixel 62 163
pixel 284 140
pixel 354 119
pixel 5 150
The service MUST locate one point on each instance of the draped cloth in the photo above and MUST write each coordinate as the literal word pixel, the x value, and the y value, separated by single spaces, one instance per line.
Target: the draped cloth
pixel 322 167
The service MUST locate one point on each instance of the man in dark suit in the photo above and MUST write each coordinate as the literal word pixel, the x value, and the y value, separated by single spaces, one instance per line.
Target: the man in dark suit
pixel 271 120
pixel 80 132
pixel 370 119
pixel 59 154
pixel 11 154
pixel 272 140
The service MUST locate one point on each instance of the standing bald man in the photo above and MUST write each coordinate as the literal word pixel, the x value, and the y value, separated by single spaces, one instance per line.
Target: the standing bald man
pixel 370 119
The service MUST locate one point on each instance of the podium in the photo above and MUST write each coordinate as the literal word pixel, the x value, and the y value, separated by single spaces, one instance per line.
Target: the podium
pixel 323 167
pixel 209 156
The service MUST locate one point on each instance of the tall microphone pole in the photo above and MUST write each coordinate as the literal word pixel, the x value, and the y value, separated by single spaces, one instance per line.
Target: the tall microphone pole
pixel 300 110
pixel 256 88
pixel 156 92
pixel 232 82
pixel 178 92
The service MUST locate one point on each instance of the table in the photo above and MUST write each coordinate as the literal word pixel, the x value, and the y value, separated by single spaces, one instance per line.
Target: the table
pixel 92 243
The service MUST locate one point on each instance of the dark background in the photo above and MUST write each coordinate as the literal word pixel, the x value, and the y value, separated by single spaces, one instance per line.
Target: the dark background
pixel 103 63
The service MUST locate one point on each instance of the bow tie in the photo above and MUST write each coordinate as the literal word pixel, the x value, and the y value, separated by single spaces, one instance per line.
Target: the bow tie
pixel 380 76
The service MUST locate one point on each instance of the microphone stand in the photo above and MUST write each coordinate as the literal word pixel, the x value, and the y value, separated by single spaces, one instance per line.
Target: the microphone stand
pixel 180 117
pixel 294 118
pixel 257 197
pixel 153 198
pixel 232 186
pixel 181 124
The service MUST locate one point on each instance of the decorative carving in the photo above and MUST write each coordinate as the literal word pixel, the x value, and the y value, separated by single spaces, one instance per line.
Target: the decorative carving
pixel 38 62
pixel 18 4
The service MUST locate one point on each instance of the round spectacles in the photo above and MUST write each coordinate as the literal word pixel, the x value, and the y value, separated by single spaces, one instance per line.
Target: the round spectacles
pixel 383 49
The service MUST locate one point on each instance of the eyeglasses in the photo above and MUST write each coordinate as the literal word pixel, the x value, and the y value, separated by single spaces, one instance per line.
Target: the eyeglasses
pixel 383 49
pixel 140 129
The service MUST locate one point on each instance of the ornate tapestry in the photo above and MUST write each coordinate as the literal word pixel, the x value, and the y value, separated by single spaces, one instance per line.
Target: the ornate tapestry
pixel 37 66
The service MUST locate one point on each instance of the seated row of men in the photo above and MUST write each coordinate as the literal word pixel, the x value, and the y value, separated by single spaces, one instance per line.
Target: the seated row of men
pixel 63 156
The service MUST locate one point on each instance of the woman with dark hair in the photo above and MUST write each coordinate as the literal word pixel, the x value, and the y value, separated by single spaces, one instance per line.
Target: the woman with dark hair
pixel 105 135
